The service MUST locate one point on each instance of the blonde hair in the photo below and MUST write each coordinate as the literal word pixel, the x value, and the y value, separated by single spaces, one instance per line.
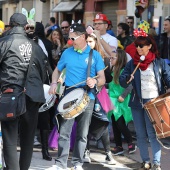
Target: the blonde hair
pixel 98 46
pixel 60 35
pixel 152 32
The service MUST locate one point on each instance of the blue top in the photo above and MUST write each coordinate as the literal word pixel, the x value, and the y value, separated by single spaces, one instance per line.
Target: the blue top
pixel 111 33
pixel 76 65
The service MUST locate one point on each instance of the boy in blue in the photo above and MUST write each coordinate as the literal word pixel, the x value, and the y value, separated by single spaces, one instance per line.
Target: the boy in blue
pixel 75 60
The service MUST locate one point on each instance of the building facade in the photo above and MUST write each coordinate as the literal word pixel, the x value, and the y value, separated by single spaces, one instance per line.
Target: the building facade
pixel 85 10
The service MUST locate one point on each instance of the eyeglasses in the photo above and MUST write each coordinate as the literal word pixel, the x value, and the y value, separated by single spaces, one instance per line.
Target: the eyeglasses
pixel 30 27
pixel 98 23
pixel 65 27
pixel 113 58
pixel 74 38
pixel 130 22
pixel 140 45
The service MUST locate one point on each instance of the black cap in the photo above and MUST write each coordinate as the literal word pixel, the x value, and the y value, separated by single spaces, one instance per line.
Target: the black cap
pixel 18 19
pixel 76 27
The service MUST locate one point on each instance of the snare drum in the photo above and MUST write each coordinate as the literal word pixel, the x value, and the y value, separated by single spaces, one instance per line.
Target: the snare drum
pixel 73 103
pixel 158 110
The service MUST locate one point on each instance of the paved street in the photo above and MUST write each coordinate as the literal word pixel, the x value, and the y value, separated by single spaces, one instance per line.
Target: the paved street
pixel 97 157
pixel 124 162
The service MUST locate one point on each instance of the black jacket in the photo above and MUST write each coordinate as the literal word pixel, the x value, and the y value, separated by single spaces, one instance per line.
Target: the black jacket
pixel 16 52
pixel 164 46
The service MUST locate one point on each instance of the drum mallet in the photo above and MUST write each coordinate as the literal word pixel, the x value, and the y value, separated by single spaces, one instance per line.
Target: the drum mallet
pixel 84 80
pixel 142 58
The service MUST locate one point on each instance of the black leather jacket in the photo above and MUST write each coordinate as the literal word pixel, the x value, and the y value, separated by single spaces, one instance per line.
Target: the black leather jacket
pixel 164 46
pixel 16 52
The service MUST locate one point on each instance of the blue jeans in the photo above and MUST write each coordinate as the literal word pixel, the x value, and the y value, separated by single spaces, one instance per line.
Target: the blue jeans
pixel 83 122
pixel 144 131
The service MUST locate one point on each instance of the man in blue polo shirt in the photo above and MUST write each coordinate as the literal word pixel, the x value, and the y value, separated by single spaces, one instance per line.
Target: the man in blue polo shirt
pixel 75 60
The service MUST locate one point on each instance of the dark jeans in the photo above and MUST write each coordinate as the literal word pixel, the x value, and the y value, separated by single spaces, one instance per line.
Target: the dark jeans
pixel 105 140
pixel 44 120
pixel 83 122
pixel 120 127
pixel 28 124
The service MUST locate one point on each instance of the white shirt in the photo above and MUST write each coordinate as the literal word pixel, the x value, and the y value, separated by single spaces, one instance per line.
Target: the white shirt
pixel 41 44
pixel 112 41
pixel 149 87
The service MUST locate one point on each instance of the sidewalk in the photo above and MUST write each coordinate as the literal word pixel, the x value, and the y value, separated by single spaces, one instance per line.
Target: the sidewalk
pixel 165 159
pixel 124 162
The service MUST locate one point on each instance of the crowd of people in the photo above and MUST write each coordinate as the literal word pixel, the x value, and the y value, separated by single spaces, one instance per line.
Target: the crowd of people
pixel 96 63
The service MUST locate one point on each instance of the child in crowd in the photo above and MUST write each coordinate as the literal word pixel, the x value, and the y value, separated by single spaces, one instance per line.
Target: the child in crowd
pixel 121 115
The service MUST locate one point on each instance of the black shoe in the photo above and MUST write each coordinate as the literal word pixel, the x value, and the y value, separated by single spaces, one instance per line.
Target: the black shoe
pixel 44 142
pixel 145 166
pixel 132 148
pixel 117 150
pixel 109 159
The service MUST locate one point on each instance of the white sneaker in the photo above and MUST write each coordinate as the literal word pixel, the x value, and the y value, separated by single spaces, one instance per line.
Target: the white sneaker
pixel 36 142
pixel 78 167
pixel 55 167
pixel 86 157
pixel 109 159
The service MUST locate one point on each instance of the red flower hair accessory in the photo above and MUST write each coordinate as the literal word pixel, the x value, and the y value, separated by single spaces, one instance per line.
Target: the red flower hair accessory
pixel 139 32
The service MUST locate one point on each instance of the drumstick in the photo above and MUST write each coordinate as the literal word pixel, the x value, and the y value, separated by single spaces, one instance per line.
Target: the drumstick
pixel 81 82
pixel 84 80
pixel 142 58
pixel 59 83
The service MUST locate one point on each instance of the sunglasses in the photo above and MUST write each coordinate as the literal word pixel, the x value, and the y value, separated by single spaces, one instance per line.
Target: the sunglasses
pixel 98 23
pixel 140 45
pixel 130 22
pixel 65 27
pixel 74 38
pixel 30 27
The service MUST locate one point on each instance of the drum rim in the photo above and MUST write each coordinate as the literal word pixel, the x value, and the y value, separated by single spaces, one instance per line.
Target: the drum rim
pixel 77 103
pixel 82 110
pixel 157 99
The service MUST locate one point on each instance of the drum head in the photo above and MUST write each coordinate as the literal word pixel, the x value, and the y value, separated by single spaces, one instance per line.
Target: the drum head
pixel 70 100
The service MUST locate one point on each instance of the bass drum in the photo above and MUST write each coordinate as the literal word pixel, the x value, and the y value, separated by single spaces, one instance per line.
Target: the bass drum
pixel 158 110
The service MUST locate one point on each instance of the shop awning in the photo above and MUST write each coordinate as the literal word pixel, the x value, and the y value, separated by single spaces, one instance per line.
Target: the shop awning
pixel 68 6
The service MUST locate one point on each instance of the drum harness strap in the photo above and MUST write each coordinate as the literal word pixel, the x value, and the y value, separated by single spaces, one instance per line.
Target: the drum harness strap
pixel 93 90
pixel 85 87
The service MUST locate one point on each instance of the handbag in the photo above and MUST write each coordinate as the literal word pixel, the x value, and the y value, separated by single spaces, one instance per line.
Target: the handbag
pixel 105 101
pixel 12 105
